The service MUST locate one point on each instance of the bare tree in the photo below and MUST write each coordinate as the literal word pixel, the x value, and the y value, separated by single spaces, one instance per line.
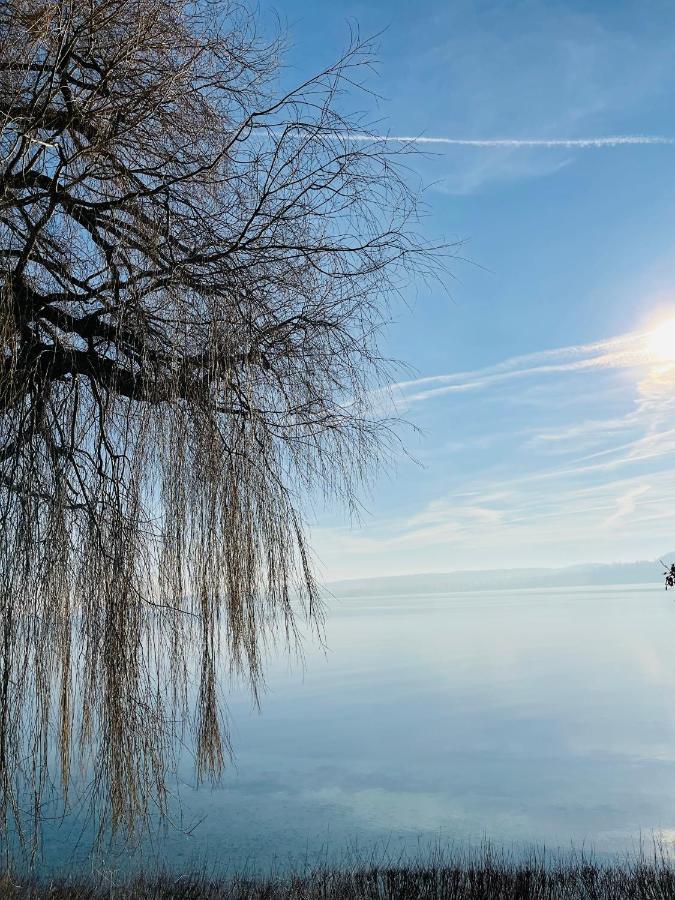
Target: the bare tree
pixel 195 268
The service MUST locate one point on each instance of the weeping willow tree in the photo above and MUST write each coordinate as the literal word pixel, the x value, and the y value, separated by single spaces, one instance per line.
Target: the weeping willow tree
pixel 195 267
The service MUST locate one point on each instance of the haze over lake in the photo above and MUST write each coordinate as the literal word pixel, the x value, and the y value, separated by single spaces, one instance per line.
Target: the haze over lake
pixel 523 716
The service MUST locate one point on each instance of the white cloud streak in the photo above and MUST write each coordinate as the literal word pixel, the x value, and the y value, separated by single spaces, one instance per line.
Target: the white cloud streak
pixel 607 492
pixel 619 140
pixel 621 352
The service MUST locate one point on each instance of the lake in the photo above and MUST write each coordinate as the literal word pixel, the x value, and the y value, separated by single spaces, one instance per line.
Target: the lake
pixel 522 717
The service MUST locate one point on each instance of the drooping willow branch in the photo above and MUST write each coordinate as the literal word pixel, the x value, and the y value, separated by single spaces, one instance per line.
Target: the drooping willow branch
pixel 194 267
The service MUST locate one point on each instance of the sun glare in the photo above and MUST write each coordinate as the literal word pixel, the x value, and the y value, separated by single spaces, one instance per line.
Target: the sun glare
pixel 661 341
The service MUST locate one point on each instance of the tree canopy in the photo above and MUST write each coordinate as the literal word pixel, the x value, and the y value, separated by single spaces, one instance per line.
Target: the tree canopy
pixel 195 269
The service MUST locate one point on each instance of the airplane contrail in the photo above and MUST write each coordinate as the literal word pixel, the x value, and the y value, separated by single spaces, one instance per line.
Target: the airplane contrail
pixel 611 141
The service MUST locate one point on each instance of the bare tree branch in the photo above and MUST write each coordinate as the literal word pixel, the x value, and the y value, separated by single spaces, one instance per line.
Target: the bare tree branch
pixel 194 268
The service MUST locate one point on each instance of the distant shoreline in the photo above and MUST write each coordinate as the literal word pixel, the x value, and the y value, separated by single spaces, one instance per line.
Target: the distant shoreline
pixel 644 572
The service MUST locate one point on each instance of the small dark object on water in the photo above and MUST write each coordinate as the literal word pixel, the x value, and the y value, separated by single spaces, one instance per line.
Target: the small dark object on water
pixel 669 575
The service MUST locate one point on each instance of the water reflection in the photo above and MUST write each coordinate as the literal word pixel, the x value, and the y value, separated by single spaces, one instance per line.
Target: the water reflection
pixel 523 716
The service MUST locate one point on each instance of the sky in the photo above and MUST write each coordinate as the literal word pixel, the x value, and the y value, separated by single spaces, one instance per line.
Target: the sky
pixel 542 381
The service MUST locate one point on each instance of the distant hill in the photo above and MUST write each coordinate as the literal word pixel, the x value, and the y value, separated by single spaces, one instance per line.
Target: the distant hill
pixel 642 572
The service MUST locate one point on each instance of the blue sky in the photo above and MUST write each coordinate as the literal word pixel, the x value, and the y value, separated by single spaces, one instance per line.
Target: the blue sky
pixel 546 411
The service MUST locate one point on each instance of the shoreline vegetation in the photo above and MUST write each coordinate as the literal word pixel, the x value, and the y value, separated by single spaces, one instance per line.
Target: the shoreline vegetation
pixel 487 875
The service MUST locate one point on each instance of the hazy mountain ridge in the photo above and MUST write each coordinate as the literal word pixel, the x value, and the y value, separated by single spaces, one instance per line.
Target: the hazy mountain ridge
pixel 640 572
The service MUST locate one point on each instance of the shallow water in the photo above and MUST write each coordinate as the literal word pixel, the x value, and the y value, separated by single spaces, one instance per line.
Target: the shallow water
pixel 521 717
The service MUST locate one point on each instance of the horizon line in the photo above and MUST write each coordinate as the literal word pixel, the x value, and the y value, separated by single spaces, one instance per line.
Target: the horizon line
pixel 501 570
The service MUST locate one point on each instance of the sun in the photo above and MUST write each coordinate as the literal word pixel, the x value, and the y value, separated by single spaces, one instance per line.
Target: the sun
pixel 661 341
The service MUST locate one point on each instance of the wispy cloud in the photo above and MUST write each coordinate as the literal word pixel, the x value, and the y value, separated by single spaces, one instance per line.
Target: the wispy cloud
pixel 626 503
pixel 624 351
pixel 582 470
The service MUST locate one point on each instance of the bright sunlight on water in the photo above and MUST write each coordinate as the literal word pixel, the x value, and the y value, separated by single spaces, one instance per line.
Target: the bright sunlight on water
pixel 522 717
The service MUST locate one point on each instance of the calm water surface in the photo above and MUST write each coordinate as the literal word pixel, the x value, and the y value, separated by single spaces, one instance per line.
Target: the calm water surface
pixel 518 716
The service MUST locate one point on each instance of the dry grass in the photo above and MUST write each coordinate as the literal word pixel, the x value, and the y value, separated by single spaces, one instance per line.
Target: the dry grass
pixel 488 876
